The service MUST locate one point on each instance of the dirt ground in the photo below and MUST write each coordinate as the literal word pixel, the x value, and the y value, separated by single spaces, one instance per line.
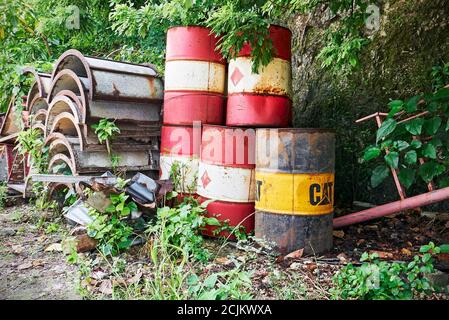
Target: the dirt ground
pixel 27 271
pixel 33 266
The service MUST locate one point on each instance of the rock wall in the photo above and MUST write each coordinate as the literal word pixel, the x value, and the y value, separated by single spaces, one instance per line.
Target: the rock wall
pixel 413 37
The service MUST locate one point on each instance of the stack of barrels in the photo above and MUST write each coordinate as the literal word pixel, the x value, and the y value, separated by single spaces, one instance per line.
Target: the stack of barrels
pixel 195 77
pixel 284 191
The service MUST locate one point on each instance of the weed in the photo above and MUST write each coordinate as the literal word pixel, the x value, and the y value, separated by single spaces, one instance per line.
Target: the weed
pixel 181 227
pixel 52 228
pixel 382 280
pixel 3 194
pixel 109 228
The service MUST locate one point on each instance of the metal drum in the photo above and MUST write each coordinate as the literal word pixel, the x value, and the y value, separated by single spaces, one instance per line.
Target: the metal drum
pixel 195 76
pixel 295 188
pixel 226 173
pixel 261 99
pixel 237 215
pixel 180 146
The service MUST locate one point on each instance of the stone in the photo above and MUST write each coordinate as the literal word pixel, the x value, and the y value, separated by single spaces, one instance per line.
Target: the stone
pixel 7 232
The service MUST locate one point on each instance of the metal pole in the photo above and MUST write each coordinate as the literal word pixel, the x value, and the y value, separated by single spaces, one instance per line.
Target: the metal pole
pixel 393 207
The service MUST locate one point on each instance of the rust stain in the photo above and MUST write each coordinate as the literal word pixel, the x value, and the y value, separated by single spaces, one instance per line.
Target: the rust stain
pixel 151 84
pixel 115 91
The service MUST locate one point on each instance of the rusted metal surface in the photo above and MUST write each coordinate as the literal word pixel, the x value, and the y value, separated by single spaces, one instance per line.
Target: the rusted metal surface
pixel 290 232
pixel 295 188
pixel 239 216
pixel 226 169
pixel 195 75
pixel 40 86
pixel 112 80
pixel 261 99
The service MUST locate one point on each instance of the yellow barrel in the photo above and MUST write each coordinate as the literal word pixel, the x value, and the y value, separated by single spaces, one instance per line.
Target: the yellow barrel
pixel 295 188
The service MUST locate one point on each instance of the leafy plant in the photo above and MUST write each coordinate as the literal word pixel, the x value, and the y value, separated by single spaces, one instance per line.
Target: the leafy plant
pixel 179 175
pixel 110 228
pixel 181 227
pixel 382 280
pixel 3 194
pixel 226 285
pixel 52 228
pixel 31 142
pixel 106 130
pixel 403 143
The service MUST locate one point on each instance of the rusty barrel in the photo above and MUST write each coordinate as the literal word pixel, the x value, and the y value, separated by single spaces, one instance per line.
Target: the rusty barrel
pixel 180 147
pixel 261 99
pixel 226 174
pixel 295 188
pixel 195 75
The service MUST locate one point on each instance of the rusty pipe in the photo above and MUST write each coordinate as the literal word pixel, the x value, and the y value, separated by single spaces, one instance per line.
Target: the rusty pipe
pixel 393 207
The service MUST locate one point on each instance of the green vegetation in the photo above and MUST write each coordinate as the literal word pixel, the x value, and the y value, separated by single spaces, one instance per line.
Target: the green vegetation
pixel 111 228
pixel 36 32
pixel 31 143
pixel 423 137
pixel 3 194
pixel 382 280
pixel 181 227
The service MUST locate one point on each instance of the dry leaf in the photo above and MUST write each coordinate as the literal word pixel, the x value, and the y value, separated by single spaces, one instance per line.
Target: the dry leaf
pixel 54 247
pixel 295 254
pixel 342 257
pixel 360 241
pixel 106 287
pixel 38 262
pixel 17 249
pixel 339 234
pixel 406 252
pixel 279 259
pixel 135 278
pixel 222 260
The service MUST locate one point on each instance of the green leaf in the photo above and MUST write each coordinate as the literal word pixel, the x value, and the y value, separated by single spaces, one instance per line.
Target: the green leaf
pixel 429 151
pixel 414 126
pixel 385 129
pixel 411 157
pixel 412 104
pixel 429 170
pixel 392 159
pixel 395 107
pixel 380 173
pixel 401 145
pixel 444 248
pixel 406 177
pixel 416 144
pixel 443 182
pixel 432 125
pixel 441 95
pixel 371 153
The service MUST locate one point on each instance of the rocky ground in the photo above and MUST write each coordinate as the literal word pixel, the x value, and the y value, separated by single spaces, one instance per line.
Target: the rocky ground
pixel 34 263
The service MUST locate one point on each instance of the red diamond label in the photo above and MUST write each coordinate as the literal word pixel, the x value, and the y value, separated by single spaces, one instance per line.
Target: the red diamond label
pixel 236 76
pixel 205 179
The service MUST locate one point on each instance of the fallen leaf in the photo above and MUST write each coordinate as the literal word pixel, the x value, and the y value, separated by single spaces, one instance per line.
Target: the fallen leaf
pixel 98 275
pixel 42 238
pixel 382 254
pixel 222 260
pixel 54 247
pixel 409 244
pixel 25 265
pixel 310 266
pixel 406 252
pixel 135 279
pixel 38 262
pixel 295 254
pixel 342 257
pixel 279 259
pixel 339 234
pixel 360 241
pixel 106 287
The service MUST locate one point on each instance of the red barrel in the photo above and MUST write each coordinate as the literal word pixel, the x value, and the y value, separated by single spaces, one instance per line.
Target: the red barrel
pixel 195 76
pixel 180 153
pixel 239 216
pixel 226 173
pixel 261 99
